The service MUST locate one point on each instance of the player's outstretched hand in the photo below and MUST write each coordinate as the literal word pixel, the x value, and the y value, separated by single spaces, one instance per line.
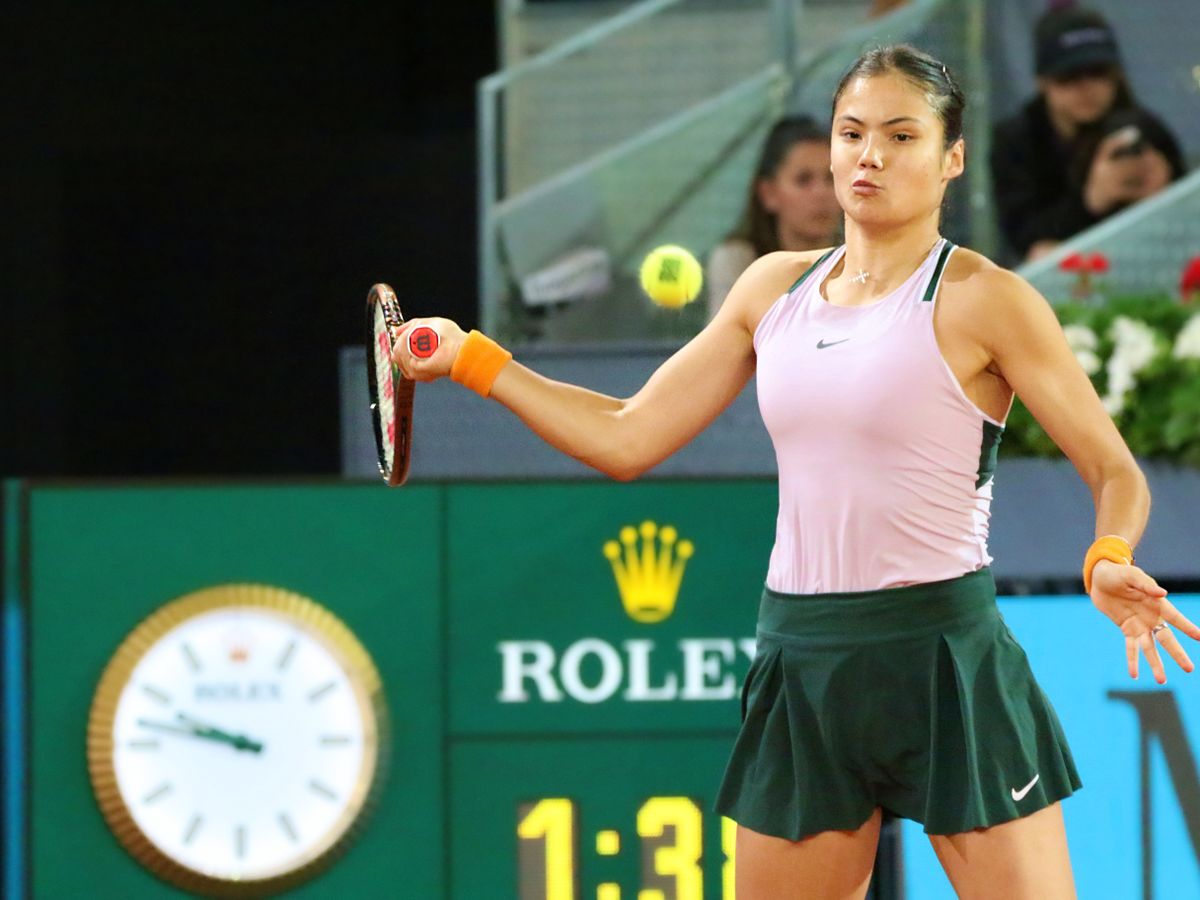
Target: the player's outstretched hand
pixel 436 365
pixel 1137 605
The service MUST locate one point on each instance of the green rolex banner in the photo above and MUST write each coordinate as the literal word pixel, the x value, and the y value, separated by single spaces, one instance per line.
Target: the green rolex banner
pixel 588 608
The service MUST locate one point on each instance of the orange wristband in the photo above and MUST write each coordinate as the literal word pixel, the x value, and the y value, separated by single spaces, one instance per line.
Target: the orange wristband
pixel 1111 547
pixel 478 362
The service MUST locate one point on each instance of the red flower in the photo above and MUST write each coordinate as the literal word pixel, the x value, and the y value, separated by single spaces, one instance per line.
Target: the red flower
pixel 1072 263
pixel 1190 280
pixel 1097 263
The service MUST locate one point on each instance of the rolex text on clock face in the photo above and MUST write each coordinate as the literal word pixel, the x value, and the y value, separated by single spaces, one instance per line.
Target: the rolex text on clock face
pixel 242 746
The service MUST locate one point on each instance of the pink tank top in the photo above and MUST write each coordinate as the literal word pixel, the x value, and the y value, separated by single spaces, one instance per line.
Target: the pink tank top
pixel 885 465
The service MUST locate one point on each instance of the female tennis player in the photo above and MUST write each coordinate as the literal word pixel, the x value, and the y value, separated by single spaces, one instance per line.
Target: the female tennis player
pixel 884 678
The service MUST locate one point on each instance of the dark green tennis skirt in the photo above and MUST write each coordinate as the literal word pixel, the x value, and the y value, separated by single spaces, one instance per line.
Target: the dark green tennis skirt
pixel 915 699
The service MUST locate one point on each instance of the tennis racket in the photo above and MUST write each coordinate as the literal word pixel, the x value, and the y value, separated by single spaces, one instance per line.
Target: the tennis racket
pixel 391 394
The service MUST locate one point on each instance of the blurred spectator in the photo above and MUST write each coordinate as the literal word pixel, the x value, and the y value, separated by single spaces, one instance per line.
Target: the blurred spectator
pixel 791 205
pixel 883 7
pixel 1141 151
pixel 1081 149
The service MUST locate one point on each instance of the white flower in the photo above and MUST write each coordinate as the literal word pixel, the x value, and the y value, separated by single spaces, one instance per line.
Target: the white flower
pixel 1080 337
pixel 1133 342
pixel 1113 405
pixel 1135 346
pixel 1120 377
pixel 1088 361
pixel 1187 344
pixel 1083 342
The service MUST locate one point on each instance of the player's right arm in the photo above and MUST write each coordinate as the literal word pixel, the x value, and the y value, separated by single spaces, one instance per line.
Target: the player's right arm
pixel 625 437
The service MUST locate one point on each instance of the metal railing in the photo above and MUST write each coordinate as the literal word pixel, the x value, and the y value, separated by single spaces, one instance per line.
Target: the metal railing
pixel 504 187
pixel 601 144
pixel 1146 246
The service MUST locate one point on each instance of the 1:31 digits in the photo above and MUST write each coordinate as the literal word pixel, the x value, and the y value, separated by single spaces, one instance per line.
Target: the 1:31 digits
pixel 548 838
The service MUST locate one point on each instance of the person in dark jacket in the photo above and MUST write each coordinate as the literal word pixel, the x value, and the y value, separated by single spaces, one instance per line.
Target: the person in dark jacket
pixel 1081 149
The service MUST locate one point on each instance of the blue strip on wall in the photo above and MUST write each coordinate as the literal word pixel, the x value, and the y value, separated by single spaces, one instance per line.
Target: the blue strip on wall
pixel 13 700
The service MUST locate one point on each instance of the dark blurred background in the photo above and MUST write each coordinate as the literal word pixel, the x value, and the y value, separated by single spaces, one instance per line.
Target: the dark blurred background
pixel 197 198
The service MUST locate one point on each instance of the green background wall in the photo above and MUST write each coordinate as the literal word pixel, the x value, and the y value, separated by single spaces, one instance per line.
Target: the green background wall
pixel 101 559
pixel 431 578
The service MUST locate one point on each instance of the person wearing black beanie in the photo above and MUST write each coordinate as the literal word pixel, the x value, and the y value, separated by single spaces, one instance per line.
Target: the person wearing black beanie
pixel 1082 149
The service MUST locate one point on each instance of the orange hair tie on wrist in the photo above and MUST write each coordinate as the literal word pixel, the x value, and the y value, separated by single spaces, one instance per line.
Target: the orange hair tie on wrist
pixel 478 362
pixel 1111 547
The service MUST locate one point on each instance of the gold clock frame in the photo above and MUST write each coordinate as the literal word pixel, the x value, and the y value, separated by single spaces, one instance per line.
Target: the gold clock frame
pixel 307 614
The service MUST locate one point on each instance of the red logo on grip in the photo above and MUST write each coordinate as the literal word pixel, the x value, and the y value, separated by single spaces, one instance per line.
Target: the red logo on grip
pixel 422 342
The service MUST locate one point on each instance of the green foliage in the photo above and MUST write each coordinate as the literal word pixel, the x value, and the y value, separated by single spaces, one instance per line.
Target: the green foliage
pixel 1161 415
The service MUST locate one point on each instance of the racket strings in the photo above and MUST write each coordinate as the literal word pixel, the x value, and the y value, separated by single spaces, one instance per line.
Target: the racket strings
pixel 391 393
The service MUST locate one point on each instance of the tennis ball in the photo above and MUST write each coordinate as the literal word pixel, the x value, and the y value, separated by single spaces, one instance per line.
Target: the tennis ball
pixel 671 276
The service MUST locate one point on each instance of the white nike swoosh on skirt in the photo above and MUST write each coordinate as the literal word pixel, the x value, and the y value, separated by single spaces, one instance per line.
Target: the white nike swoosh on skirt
pixel 1020 795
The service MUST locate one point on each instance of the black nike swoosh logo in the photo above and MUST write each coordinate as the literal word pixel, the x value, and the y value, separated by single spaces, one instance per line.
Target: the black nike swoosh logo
pixel 821 345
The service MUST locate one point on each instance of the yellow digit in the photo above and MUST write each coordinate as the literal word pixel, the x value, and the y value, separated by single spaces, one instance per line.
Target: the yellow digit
pixel 553 820
pixel 681 859
pixel 729 845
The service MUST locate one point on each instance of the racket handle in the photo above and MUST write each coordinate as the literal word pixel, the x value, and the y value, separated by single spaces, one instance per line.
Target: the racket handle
pixel 422 342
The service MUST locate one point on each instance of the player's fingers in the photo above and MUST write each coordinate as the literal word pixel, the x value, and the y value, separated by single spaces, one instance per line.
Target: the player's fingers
pixel 1131 656
pixel 419 367
pixel 1170 643
pixel 1173 616
pixel 1150 648
pixel 406 363
pixel 425 369
pixel 400 352
pixel 1137 580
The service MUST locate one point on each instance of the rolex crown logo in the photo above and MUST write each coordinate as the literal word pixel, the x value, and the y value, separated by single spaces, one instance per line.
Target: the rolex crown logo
pixel 648 576
pixel 238 645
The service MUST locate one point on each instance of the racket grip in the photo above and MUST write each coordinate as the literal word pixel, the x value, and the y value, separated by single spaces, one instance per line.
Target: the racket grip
pixel 422 342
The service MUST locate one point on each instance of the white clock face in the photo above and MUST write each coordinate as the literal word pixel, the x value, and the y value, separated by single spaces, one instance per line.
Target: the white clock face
pixel 242 746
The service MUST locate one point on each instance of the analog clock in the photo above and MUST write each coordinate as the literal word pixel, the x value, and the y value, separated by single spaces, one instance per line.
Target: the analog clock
pixel 236 740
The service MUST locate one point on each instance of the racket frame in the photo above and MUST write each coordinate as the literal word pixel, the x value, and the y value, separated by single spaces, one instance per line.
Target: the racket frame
pixel 381 296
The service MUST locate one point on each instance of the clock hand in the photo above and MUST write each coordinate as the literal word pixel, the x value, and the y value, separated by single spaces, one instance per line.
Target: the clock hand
pixel 166 726
pixel 195 729
pixel 212 733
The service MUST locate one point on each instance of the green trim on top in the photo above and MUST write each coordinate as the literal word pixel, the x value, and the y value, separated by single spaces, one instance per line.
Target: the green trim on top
pixel 937 273
pixel 989 449
pixel 811 269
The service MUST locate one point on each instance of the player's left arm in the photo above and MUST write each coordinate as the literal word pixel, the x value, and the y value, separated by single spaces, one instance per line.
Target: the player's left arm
pixel 1021 335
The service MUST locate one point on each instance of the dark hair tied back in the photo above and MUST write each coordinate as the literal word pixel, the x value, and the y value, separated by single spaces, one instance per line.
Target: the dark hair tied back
pixel 942 92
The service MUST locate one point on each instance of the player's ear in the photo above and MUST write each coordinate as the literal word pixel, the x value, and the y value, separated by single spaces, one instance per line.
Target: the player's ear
pixel 955 160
